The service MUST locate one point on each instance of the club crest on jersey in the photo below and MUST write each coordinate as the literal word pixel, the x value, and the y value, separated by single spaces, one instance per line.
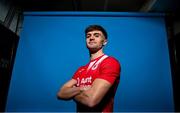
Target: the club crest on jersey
pixel 94 67
pixel 98 62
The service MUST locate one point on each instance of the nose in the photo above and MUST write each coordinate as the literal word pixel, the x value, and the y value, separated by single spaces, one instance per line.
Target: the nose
pixel 92 37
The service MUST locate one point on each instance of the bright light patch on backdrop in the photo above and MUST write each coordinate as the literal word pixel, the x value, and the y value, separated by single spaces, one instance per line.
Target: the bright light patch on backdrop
pixel 52 47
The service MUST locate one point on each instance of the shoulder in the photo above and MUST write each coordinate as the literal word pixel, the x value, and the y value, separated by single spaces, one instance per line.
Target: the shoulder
pixel 81 68
pixel 111 60
pixel 111 63
pixel 79 71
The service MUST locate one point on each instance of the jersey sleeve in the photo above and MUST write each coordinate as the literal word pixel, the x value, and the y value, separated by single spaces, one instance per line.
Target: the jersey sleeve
pixel 110 70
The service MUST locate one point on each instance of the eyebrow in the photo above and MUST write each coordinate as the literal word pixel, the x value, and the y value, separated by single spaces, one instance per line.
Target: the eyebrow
pixel 96 33
pixel 93 33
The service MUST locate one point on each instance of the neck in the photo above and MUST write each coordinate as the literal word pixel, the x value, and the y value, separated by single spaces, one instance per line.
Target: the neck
pixel 97 54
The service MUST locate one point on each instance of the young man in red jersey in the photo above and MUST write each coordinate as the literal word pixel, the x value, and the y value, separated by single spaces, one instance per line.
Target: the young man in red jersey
pixel 94 85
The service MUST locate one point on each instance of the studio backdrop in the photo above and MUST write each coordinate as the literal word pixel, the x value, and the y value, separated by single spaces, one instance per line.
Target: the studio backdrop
pixel 52 46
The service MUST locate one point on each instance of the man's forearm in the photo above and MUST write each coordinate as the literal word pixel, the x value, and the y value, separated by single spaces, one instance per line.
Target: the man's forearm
pixel 85 98
pixel 68 92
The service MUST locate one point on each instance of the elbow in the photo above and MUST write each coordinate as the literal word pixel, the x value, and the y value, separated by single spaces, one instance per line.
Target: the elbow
pixel 92 103
pixel 61 96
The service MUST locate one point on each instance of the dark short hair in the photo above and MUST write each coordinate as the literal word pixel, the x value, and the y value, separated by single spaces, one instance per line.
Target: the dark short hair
pixel 96 27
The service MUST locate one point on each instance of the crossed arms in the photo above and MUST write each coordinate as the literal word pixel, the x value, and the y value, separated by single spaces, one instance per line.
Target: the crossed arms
pixel 88 96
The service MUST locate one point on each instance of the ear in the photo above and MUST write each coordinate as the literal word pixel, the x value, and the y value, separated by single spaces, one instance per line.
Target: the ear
pixel 105 42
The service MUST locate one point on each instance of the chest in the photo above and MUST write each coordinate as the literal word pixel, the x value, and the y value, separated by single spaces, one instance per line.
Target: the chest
pixel 88 74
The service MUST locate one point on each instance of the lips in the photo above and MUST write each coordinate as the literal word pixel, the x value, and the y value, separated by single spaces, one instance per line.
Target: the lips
pixel 92 42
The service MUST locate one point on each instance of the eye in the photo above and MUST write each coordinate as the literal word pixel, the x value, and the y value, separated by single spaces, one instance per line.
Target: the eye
pixel 88 35
pixel 96 34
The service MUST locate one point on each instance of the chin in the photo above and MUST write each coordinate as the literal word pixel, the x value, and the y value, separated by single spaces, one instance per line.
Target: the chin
pixel 93 50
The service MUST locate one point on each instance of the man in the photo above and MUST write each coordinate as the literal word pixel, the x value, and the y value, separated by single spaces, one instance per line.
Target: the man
pixel 93 86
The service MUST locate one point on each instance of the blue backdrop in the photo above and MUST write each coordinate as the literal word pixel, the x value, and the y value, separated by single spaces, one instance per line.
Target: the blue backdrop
pixel 52 47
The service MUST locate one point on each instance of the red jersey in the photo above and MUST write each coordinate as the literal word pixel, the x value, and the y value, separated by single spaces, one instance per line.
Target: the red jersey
pixel 103 67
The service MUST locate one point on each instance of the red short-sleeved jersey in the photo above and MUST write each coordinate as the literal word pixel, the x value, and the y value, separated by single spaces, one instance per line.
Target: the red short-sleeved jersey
pixel 103 67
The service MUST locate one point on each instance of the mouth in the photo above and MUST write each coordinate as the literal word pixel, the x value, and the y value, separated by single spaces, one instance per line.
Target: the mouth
pixel 92 42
